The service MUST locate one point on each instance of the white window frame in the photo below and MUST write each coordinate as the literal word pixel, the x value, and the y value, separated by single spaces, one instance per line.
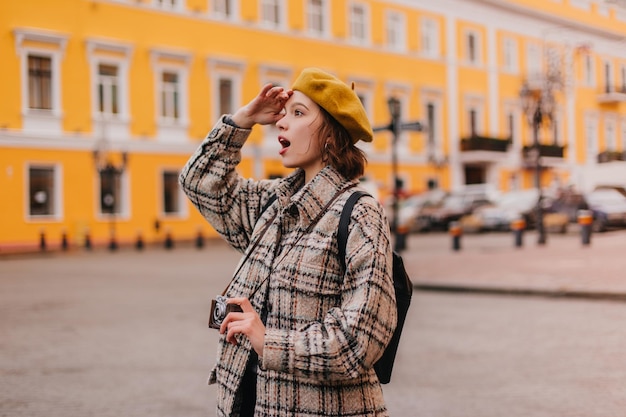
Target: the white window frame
pixel 173 5
pixel 177 62
pixel 49 45
pixel 364 87
pixel 108 125
pixel 395 29
pixel 608 85
pixel 591 137
pixel 57 190
pixel 589 70
pixel 429 37
pixel 218 10
pixel 281 23
pixel 510 61
pixel 359 24
pixel 311 17
pixel 477 59
pixel 622 84
pixel 220 68
pixel 435 149
pixel 124 195
pixel 477 104
pixel 610 132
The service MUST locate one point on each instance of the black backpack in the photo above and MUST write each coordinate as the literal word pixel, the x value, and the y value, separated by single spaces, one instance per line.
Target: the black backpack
pixel 401 282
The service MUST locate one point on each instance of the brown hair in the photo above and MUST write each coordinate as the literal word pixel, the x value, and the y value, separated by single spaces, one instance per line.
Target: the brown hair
pixel 339 151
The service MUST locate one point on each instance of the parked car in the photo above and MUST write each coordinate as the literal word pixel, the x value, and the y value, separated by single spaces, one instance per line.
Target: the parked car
pixel 410 208
pixel 563 210
pixel 452 208
pixel 609 209
pixel 500 214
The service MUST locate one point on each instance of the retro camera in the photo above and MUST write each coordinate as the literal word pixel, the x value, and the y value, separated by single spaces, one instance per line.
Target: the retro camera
pixel 219 310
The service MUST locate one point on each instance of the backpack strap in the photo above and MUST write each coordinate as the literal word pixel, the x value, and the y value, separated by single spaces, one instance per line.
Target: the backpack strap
pixel 267 205
pixel 344 221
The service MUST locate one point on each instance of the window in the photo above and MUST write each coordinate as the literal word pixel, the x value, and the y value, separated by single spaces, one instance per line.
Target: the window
pixel 40 54
pixel 473 120
pixel 172 196
pixel 42 199
pixel 272 13
pixel 108 96
pixel 171 70
pixel 472 45
pixel 509 55
pixel 429 37
pixel 224 9
pixel 591 137
pixel 430 119
pixel 358 23
pixel 589 71
pixel 110 190
pixel 170 95
pixel 226 96
pixel 610 130
pixel 225 93
pixel 396 39
pixel 510 121
pixel 608 77
pixel 169 4
pixel 316 17
pixel 533 59
pixel 623 79
pixel 39 82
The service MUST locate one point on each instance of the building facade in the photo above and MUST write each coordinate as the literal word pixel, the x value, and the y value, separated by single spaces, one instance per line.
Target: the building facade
pixel 104 100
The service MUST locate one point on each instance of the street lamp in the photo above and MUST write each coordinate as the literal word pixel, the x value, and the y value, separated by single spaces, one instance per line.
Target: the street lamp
pixel 109 175
pixel 536 105
pixel 396 127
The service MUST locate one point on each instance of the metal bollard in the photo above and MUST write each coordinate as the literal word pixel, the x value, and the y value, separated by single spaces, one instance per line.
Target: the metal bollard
pixel 139 245
pixel 585 220
pixel 455 231
pixel 87 240
pixel 169 242
pixel 401 235
pixel 42 240
pixel 517 226
pixel 199 239
pixel 64 242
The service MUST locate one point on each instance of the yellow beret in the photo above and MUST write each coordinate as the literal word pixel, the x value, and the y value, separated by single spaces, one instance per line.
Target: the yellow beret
pixel 339 100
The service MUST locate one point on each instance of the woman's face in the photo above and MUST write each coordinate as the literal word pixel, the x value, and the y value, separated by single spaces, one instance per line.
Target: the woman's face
pixel 298 135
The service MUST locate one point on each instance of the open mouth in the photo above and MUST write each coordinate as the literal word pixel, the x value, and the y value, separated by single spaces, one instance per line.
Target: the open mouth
pixel 284 142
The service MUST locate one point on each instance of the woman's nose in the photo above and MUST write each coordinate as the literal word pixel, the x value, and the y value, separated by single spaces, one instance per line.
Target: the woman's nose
pixel 281 124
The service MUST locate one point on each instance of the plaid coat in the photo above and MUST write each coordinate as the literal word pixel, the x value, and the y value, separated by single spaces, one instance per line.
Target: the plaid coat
pixel 324 329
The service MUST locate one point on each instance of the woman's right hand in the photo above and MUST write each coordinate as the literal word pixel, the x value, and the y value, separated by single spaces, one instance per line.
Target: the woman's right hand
pixel 266 108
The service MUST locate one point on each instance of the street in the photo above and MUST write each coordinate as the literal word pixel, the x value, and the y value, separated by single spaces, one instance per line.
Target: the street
pixel 124 334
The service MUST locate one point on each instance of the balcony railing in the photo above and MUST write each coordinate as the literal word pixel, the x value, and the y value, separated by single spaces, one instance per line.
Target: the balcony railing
pixel 608 156
pixel 484 143
pixel 612 94
pixel 550 151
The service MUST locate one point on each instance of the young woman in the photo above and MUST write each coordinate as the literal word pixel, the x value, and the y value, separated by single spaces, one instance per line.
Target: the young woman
pixel 309 332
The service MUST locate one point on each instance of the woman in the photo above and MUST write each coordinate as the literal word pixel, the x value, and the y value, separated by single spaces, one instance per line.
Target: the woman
pixel 309 332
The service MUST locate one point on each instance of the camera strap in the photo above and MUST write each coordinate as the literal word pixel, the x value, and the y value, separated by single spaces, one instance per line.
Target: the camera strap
pixel 267 226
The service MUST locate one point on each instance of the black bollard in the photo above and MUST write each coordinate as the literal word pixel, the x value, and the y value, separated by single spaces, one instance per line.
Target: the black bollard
pixel 42 241
pixel 517 226
pixel 401 235
pixel 112 243
pixel 456 232
pixel 87 241
pixel 169 242
pixel 199 240
pixel 139 245
pixel 64 243
pixel 585 220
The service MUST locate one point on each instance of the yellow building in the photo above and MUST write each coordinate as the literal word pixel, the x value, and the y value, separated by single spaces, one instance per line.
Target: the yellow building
pixel 104 100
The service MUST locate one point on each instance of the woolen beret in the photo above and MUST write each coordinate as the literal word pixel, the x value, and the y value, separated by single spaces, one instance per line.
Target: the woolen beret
pixel 339 100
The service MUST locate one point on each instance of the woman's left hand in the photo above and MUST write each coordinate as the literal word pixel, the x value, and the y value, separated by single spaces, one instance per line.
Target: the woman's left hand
pixel 247 323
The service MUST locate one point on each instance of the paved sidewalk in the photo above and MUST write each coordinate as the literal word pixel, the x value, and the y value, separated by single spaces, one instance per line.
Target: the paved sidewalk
pixel 492 263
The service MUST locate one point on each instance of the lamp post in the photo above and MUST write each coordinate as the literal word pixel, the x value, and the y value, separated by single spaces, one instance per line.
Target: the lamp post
pixel 396 126
pixel 109 174
pixel 537 104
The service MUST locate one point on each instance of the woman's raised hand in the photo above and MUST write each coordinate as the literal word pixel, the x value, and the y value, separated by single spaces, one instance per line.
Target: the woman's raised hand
pixel 247 323
pixel 266 108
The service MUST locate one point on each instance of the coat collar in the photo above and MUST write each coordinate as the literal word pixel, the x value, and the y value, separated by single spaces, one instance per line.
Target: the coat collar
pixel 310 198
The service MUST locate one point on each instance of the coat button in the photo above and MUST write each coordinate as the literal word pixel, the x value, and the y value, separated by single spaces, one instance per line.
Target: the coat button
pixel 293 210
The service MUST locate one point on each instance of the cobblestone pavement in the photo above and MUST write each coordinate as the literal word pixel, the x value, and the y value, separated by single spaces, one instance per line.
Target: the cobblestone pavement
pixel 101 334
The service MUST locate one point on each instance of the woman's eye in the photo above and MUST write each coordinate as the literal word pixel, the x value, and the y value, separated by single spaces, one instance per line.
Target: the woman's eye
pixel 297 113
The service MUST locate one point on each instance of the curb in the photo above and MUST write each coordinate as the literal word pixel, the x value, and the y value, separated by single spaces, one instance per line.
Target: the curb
pixel 529 292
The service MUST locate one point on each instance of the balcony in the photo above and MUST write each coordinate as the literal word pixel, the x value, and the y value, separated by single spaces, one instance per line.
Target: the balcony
pixel 545 151
pixel 612 94
pixel 608 156
pixel 484 143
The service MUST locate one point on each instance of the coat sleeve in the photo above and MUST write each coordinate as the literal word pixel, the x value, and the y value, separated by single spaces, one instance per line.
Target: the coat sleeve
pixel 230 203
pixel 353 335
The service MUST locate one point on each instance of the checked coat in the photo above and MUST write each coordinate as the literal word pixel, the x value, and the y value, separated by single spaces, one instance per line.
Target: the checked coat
pixel 325 329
